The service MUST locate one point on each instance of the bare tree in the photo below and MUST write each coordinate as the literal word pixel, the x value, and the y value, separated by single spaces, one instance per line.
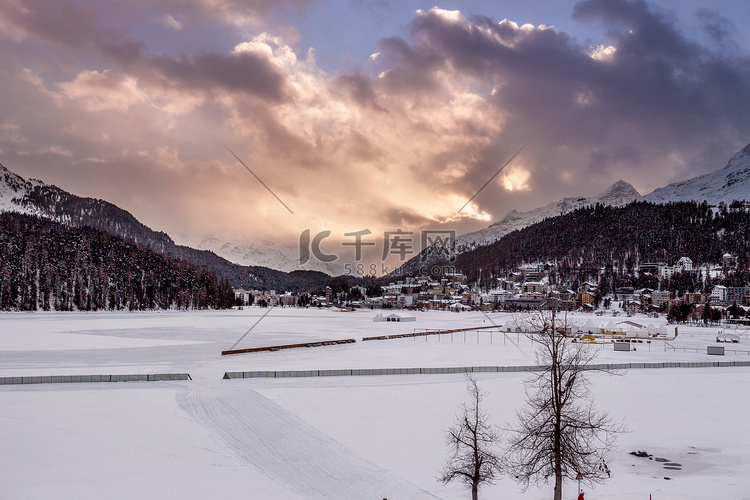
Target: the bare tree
pixel 471 440
pixel 559 433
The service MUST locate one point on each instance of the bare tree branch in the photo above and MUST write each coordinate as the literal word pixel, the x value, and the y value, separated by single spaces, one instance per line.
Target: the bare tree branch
pixel 559 433
pixel 471 441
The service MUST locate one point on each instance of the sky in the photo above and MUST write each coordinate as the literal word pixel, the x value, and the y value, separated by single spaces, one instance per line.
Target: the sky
pixel 366 115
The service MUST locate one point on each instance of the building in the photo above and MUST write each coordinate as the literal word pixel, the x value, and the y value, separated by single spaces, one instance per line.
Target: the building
pixel 625 293
pixel 525 303
pixel 660 298
pixel 719 294
pixel 289 300
pixel 684 265
pixel 737 295
pixel 244 297
pixel 399 318
pixel 587 298
pixel 406 300
pixel 695 298
pixel 728 262
pixel 533 287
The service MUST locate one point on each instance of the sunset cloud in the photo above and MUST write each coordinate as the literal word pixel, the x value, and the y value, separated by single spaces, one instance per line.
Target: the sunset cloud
pixel 402 140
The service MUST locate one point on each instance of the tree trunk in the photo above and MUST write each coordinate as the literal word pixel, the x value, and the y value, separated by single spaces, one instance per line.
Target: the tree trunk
pixel 475 489
pixel 558 486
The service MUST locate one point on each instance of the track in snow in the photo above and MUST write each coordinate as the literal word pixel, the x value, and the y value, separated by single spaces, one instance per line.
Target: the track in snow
pixel 290 450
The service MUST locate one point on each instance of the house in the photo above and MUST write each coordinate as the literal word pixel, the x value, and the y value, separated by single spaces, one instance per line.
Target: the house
pixel 634 306
pixel 587 298
pixel 588 287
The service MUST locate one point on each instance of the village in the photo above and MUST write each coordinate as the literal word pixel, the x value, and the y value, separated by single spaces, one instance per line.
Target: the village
pixel 533 287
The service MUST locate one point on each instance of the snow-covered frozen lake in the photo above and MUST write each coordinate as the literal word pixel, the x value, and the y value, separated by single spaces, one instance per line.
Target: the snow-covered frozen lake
pixel 331 437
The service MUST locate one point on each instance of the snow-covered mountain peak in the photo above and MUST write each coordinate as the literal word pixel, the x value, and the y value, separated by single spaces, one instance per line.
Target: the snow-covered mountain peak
pixel 618 194
pixel 259 252
pixel 13 187
pixel 509 217
pixel 724 185
pixel 741 158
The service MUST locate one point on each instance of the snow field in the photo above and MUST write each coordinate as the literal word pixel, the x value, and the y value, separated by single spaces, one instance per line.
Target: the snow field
pixel 328 437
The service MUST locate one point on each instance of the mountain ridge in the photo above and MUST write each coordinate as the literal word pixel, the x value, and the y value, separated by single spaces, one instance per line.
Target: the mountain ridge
pixel 257 263
pixel 618 194
pixel 727 184
pixel 260 252
pixel 34 197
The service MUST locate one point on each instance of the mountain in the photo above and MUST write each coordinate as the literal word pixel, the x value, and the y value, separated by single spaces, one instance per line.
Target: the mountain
pixel 36 198
pixel 12 189
pixel 608 243
pixel 619 194
pixel 725 185
pixel 47 265
pixel 731 183
pixel 260 252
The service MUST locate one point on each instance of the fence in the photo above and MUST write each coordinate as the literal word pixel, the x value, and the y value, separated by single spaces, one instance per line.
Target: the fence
pixel 71 379
pixel 427 333
pixel 468 369
pixel 709 349
pixel 288 346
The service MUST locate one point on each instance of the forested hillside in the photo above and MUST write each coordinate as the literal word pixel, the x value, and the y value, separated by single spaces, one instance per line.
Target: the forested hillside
pixel 608 243
pixel 77 211
pixel 45 265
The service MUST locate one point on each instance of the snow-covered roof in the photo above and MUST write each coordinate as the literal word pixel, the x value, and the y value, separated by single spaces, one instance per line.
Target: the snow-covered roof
pixel 631 324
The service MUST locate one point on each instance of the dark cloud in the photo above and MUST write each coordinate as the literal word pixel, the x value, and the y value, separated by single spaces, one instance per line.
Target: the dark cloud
pixel 647 35
pixel 403 217
pixel 63 22
pixel 360 87
pixel 244 72
pixel 57 21
pixel 603 108
pixel 409 66
pixel 100 96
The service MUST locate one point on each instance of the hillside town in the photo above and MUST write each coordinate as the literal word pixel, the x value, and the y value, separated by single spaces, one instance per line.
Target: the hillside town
pixel 535 287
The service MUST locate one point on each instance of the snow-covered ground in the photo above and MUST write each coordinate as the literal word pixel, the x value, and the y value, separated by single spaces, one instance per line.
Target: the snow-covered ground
pixel 330 437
